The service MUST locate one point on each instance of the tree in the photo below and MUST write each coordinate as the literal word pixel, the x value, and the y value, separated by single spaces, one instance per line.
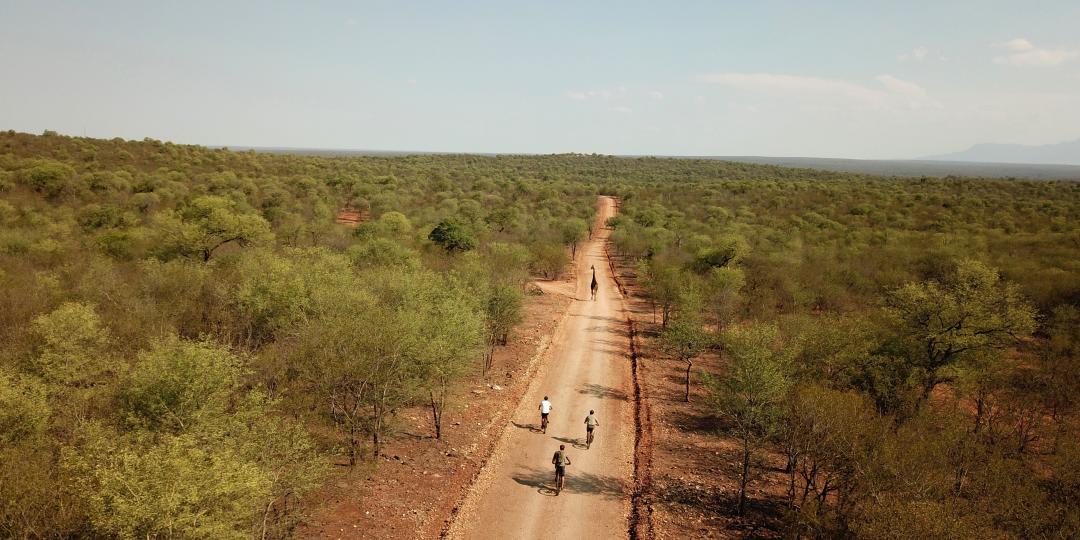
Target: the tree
pixel 549 259
pixel 281 448
pixel 395 224
pixel 572 232
pixel 722 286
pixel 178 384
pixel 751 394
pixel 727 253
pixel 503 313
pixel 453 236
pixel 383 252
pixel 184 406
pixel 685 337
pixel 663 280
pixel 392 337
pixel 449 336
pixel 982 377
pixel 829 438
pixel 178 488
pixel 331 355
pixel 24 408
pixel 50 178
pixel 269 296
pixel 503 219
pixel 1059 368
pixel 939 323
pixel 507 264
pixel 206 224
pixel 71 347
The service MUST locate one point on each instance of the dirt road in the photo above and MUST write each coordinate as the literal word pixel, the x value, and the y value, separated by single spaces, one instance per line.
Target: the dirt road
pixel 588 368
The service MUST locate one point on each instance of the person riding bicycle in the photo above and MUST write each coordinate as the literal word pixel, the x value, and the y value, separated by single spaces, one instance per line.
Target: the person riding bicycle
pixel 560 460
pixel 590 424
pixel 545 410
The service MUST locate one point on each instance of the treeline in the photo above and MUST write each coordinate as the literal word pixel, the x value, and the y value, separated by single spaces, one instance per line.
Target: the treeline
pixel 909 349
pixel 188 341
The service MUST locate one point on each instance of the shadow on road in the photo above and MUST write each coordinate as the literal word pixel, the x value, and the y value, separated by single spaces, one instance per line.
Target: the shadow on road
pixel 576 443
pixel 531 427
pixel 600 391
pixel 575 484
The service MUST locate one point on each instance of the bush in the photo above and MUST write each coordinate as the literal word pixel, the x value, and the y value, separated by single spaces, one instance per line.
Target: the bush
pixel 453 236
pixel 24 409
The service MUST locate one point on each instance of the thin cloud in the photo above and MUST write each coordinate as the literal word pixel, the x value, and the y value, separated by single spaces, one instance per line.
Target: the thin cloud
pixel 918 54
pixel 622 109
pixel 895 93
pixel 1023 53
pixel 602 94
pixel 742 108
pixel 898 86
pixel 657 95
pixel 1017 45
pixel 796 85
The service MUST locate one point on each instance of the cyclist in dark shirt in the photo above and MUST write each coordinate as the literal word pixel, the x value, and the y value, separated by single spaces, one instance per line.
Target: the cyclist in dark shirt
pixel 561 461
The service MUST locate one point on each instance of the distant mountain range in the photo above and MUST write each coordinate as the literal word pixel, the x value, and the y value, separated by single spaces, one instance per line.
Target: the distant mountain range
pixel 1066 153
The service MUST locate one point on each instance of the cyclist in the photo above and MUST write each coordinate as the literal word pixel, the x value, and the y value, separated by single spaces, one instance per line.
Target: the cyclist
pixel 545 409
pixel 590 424
pixel 560 460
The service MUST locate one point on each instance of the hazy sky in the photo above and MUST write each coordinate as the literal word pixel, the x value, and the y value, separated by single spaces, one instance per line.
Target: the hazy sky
pixel 865 79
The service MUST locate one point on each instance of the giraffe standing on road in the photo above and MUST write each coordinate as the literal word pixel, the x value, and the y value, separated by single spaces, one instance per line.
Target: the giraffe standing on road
pixel 594 285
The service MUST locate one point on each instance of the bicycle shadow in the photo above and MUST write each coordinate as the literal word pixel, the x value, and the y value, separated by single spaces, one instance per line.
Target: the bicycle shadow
pixel 581 483
pixel 576 443
pixel 531 427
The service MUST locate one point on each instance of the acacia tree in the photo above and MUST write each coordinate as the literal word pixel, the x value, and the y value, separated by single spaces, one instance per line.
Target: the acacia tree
pixel 663 281
pixel 228 458
pixel 548 259
pixel 971 311
pixel 206 224
pixel 449 334
pixel 751 394
pixel 453 236
pixel 356 361
pixel 394 337
pixel 503 313
pixel 179 384
pixel 331 355
pixel 1059 365
pixel 685 338
pixel 726 253
pixel 72 345
pixel 572 232
pixel 722 286
pixel 829 438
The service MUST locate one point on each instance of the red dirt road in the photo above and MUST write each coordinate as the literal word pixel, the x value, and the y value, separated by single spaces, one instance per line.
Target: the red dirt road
pixel 588 368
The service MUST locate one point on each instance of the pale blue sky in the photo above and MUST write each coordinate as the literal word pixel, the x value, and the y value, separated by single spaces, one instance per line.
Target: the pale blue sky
pixel 838 79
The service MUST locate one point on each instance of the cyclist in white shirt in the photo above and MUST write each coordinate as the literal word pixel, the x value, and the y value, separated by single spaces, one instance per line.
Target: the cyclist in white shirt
pixel 545 409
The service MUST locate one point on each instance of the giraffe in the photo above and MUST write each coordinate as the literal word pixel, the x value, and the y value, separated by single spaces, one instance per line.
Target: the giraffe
pixel 594 285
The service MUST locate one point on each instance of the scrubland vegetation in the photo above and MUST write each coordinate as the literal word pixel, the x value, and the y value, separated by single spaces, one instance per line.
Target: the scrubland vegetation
pixel 188 341
pixel 907 349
